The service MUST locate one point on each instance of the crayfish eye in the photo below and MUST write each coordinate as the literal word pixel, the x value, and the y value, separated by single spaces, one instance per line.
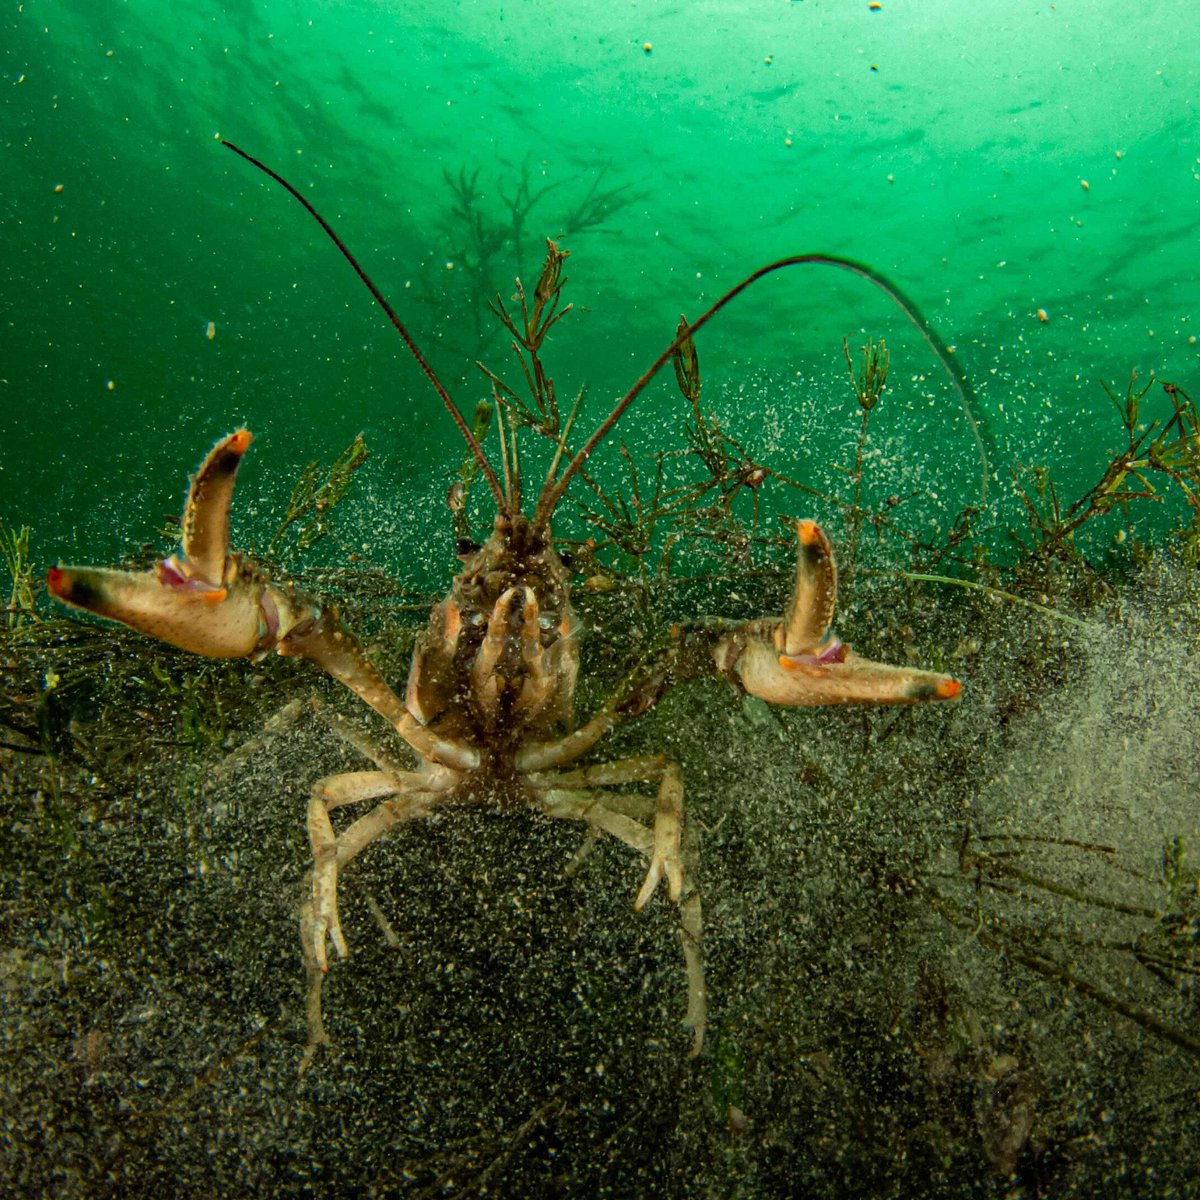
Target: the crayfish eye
pixel 567 559
pixel 465 547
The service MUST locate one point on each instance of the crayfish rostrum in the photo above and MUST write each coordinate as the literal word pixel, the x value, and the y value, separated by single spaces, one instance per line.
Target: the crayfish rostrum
pixel 488 708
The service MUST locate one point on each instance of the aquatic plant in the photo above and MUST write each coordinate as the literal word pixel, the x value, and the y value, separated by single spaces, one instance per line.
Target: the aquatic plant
pixel 14 548
pixel 1168 447
pixel 484 231
pixel 311 505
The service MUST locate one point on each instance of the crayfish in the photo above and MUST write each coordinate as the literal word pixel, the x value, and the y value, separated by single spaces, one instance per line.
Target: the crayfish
pixel 488 708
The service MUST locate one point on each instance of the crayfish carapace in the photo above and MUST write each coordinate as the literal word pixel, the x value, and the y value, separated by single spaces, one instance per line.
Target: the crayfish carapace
pixel 488 709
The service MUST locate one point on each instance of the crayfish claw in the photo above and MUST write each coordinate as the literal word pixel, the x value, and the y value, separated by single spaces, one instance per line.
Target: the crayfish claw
pixel 203 599
pixel 206 512
pixel 208 618
pixel 814 596
pixel 799 661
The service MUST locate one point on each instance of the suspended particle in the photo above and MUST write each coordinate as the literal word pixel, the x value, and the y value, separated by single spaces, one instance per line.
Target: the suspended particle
pixel 1043 315
pixel 648 47
pixel 210 330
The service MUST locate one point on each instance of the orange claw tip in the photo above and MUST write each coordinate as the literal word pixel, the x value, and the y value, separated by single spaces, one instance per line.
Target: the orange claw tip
pixel 808 532
pixel 949 690
pixel 56 581
pixel 239 441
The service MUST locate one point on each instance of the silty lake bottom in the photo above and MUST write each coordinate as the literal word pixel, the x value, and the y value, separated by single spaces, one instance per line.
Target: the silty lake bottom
pixel 951 951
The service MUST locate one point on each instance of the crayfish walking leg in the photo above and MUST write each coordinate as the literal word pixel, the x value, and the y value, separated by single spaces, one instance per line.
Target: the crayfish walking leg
pixel 405 796
pixel 668 845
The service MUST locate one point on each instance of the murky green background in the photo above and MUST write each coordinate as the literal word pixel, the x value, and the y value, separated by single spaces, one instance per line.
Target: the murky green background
pixel 994 159
pixel 519 1035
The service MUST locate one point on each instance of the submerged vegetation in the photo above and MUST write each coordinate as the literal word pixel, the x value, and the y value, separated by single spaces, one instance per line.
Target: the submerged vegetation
pixel 485 232
pixel 310 507
pixel 14 548
pixel 949 954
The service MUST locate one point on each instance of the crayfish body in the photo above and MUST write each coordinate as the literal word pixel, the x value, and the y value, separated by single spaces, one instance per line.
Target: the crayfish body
pixel 488 708
pixel 500 658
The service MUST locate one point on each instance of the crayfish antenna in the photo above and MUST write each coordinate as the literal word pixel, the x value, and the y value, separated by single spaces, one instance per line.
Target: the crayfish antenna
pixel 398 325
pixel 550 497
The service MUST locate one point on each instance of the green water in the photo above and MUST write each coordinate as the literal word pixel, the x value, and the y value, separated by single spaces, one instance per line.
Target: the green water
pixel 515 1033
pixel 945 147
